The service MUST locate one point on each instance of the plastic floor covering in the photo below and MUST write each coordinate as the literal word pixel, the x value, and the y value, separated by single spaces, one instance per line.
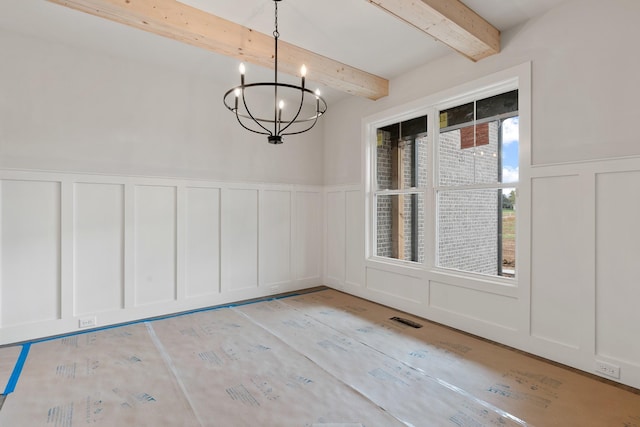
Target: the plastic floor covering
pixel 317 359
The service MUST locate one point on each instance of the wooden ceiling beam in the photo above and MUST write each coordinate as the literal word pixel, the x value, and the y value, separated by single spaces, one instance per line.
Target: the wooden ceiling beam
pixel 449 21
pixel 178 21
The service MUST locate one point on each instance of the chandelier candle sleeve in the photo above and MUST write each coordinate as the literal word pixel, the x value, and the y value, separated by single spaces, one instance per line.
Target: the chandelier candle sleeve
pixel 251 106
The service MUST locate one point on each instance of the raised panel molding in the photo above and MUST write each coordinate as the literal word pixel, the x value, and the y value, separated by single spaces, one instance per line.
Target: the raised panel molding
pixel 308 236
pixel 239 239
pixel 474 305
pixel 275 238
pixel 404 288
pixel 98 247
pixel 155 244
pixel 617 255
pixel 355 238
pixel 555 262
pixel 30 245
pixel 202 242
pixel 335 253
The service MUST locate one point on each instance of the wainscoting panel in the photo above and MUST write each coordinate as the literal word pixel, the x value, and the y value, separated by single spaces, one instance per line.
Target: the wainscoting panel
pixel 202 246
pixel 355 242
pixel 275 237
pixel 239 239
pixel 335 240
pixel 403 288
pixel 617 258
pixel 98 247
pixel 308 236
pixel 30 247
pixel 474 305
pixel 557 231
pixel 155 244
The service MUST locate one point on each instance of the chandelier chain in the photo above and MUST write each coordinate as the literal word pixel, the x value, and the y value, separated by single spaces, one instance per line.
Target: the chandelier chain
pixel 276 33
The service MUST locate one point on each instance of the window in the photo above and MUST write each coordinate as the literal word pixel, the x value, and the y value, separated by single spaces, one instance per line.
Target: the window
pixel 402 162
pixel 476 185
pixel 443 184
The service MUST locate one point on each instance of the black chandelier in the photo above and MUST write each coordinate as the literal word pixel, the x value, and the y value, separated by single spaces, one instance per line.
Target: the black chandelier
pixel 279 122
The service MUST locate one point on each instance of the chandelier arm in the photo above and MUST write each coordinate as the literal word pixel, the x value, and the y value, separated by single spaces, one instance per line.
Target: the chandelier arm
pixel 248 128
pixel 238 116
pixel 315 120
pixel 244 102
pixel 293 120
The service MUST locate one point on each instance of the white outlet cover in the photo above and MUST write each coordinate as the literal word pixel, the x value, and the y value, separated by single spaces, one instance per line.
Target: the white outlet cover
pixel 87 322
pixel 608 369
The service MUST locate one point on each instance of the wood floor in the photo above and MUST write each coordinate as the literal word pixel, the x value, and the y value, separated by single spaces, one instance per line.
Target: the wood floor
pixel 317 359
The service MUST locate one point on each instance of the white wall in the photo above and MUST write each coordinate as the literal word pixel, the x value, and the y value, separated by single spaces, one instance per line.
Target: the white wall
pixel 578 280
pixel 75 110
pixel 127 190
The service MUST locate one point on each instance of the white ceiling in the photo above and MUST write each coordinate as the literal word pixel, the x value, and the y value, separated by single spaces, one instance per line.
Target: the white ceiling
pixel 354 32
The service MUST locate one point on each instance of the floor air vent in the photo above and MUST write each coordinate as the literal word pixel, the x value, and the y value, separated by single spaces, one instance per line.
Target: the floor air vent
pixel 406 322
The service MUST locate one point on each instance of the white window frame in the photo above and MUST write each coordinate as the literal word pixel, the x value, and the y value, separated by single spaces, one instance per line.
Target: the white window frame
pixel 518 77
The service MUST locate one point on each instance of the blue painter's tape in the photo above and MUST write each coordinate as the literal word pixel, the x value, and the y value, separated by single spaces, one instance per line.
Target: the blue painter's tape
pixel 17 370
pixel 168 316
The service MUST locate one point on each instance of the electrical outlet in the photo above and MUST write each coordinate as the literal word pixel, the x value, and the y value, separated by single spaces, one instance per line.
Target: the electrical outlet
pixel 87 322
pixel 607 369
